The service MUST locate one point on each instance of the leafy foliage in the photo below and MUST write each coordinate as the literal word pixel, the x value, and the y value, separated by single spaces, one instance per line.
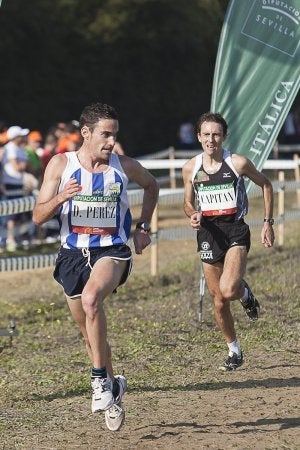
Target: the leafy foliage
pixel 152 59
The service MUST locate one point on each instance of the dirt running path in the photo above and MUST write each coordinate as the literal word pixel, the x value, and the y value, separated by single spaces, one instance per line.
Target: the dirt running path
pixel 256 407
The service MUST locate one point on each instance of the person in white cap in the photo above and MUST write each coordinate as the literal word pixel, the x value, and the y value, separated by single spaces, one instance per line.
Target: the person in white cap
pixel 14 165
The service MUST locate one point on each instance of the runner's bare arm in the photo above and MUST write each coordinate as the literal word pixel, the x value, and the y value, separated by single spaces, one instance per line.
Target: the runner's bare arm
pixel 49 199
pixel 245 167
pixel 137 173
pixel 189 195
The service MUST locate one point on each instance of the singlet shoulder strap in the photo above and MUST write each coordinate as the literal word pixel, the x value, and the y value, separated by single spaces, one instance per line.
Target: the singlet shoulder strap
pixel 71 162
pixel 228 159
pixel 72 158
pixel 198 164
pixel 114 161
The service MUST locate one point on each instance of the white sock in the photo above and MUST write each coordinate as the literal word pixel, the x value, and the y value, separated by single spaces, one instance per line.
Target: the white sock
pixel 234 348
pixel 246 295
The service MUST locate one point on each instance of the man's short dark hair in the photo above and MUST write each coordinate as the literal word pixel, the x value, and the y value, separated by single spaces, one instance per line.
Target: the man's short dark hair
pixel 93 113
pixel 212 117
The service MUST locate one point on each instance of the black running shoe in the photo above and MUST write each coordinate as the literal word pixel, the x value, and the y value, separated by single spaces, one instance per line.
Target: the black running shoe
pixel 251 305
pixel 232 363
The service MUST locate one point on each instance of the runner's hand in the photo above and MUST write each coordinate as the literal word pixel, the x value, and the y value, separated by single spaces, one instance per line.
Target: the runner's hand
pixel 141 240
pixel 267 235
pixel 195 220
pixel 70 189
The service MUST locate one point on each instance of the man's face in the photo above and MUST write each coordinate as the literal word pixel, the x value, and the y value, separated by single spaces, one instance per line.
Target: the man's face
pixel 19 140
pixel 102 137
pixel 211 137
pixel 34 144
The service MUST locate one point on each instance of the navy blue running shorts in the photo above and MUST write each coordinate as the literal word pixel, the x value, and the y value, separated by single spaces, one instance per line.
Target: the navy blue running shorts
pixel 73 267
pixel 216 237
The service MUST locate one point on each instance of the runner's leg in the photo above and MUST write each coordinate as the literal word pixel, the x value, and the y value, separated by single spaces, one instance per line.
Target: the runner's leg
pixel 105 277
pixel 223 316
pixel 79 316
pixel 231 281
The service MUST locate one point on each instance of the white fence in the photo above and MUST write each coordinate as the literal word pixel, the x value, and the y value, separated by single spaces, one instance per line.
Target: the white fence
pixel 170 159
pixel 166 197
pixel 161 164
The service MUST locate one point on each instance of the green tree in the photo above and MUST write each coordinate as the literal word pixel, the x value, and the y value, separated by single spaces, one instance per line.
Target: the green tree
pixel 152 59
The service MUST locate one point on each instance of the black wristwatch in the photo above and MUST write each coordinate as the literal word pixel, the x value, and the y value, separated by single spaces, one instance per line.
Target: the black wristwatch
pixel 271 221
pixel 143 226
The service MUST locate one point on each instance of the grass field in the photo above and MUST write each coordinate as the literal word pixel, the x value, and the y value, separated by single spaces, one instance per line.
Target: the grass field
pixel 167 356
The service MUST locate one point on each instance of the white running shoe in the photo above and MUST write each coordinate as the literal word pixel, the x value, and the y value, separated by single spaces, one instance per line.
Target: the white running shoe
pixel 121 380
pixel 102 397
pixel 115 415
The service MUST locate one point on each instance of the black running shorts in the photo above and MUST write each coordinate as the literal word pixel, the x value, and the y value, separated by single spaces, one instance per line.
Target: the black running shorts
pixel 73 267
pixel 216 237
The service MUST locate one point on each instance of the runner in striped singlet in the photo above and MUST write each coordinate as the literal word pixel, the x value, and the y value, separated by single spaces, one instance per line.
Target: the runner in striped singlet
pixel 87 191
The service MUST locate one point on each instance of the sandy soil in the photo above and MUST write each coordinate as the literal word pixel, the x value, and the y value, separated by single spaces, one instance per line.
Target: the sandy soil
pixel 255 407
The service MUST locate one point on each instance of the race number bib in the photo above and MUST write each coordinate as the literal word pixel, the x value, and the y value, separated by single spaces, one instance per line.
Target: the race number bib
pixel 93 214
pixel 217 200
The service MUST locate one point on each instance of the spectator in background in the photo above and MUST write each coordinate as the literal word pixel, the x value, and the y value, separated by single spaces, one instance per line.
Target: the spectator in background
pixel 74 141
pixel 3 138
pixel 58 130
pixel 290 132
pixel 71 138
pixel 49 150
pixel 69 143
pixel 187 138
pixel 14 165
pixel 3 141
pixel 33 149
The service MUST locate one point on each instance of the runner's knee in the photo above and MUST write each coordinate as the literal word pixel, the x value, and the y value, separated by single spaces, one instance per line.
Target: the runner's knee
pixel 90 304
pixel 229 291
pixel 221 304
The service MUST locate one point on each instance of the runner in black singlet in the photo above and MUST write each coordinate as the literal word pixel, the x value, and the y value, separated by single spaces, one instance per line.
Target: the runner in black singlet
pixel 215 200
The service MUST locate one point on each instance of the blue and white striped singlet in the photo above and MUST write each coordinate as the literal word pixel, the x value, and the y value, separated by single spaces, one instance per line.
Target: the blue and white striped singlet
pixel 98 215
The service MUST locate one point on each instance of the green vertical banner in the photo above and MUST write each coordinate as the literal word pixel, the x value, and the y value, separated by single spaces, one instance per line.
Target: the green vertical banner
pixel 257 73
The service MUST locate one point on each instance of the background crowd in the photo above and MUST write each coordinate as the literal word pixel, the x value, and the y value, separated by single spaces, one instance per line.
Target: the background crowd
pixel 24 155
